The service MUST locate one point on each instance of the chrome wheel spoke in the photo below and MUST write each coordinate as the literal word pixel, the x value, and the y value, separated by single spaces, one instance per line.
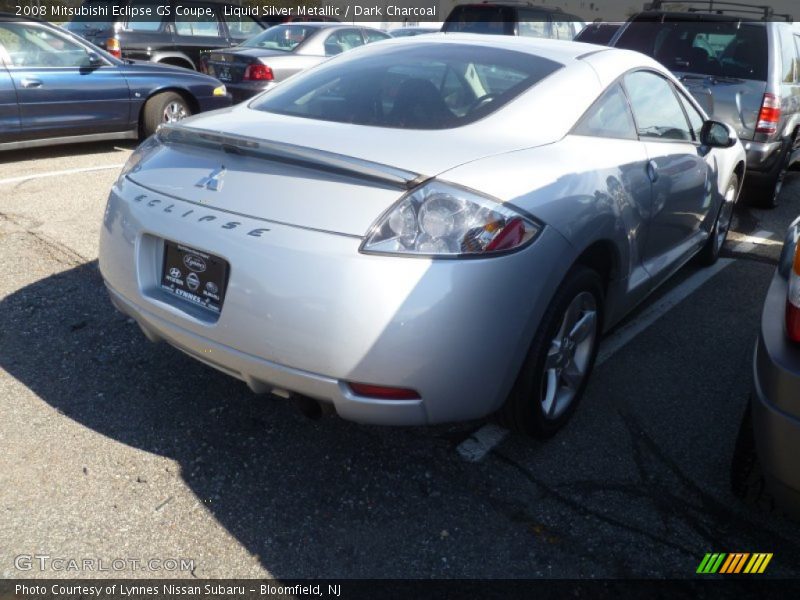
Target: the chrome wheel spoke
pixel 550 392
pixel 583 327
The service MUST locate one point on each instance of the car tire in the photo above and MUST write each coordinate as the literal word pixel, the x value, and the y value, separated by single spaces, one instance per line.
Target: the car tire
pixel 710 252
pixel 544 397
pixel 166 107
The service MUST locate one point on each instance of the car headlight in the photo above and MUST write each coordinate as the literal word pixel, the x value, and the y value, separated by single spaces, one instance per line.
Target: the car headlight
pixel 444 220
pixel 220 90
pixel 145 150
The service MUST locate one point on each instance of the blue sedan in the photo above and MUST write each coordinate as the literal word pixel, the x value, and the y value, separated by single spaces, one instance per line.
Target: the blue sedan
pixel 57 88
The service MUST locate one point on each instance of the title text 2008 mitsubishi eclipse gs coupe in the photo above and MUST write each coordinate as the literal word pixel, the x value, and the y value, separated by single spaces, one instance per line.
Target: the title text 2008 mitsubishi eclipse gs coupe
pixel 422 231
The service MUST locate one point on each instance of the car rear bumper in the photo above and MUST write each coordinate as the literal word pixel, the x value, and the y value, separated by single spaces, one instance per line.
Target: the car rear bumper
pixel 761 156
pixel 306 312
pixel 776 401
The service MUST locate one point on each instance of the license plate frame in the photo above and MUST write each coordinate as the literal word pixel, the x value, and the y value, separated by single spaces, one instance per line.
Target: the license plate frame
pixel 196 276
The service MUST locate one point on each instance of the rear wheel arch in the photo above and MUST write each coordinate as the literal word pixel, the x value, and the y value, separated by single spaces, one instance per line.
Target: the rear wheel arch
pixel 602 257
pixel 177 61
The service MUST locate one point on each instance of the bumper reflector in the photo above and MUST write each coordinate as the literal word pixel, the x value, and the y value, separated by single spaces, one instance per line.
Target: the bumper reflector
pixel 382 392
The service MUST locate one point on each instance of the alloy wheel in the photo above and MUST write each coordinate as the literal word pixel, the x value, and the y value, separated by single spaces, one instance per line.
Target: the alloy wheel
pixel 174 111
pixel 568 359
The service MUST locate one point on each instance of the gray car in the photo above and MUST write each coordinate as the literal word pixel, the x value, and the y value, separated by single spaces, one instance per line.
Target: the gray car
pixel 276 54
pixel 423 230
pixel 742 70
pixel 773 421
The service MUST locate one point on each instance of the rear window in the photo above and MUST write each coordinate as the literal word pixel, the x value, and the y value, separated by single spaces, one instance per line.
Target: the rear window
pixel 717 48
pixel 281 37
pixel 497 20
pixel 419 86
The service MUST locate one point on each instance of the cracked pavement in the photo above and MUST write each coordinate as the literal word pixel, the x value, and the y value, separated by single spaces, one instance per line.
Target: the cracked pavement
pixel 114 447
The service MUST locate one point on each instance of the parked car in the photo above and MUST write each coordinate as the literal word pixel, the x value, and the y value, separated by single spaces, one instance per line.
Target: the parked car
pixel 272 56
pixel 412 31
pixel 765 467
pixel 379 233
pixel 56 88
pixel 598 33
pixel 513 18
pixel 176 39
pixel 742 71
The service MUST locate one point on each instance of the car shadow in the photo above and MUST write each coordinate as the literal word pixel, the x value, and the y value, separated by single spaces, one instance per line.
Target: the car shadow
pixel 309 498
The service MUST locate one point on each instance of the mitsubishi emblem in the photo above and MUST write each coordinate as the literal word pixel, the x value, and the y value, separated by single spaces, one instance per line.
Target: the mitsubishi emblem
pixel 213 181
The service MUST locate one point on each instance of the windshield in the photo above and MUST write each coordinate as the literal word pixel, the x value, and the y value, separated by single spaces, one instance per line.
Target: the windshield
pixel 716 48
pixel 82 25
pixel 281 37
pixel 414 86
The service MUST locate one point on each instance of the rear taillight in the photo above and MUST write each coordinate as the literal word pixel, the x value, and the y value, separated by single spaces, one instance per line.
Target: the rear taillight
pixel 769 115
pixel 793 300
pixel 113 47
pixel 258 73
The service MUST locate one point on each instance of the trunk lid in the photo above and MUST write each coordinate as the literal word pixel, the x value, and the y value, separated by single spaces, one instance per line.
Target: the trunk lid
pixel 228 65
pixel 322 175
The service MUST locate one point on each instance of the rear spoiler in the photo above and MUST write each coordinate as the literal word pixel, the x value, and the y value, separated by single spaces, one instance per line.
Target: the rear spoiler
pixel 290 154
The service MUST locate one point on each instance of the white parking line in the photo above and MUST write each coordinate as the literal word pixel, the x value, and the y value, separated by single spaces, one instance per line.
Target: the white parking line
pixel 481 442
pixel 478 445
pixel 760 238
pixel 57 173
pixel 624 334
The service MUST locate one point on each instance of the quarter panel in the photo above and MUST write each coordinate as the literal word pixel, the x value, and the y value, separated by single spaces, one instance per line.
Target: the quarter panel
pixel 588 189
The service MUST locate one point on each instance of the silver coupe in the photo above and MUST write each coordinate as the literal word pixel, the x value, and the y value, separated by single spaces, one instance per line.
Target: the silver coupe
pixel 422 230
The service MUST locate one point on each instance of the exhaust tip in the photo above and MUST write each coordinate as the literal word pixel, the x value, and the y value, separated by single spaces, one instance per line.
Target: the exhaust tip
pixel 309 407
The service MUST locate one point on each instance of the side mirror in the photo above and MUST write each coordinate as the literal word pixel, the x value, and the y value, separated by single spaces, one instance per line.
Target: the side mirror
pixel 94 59
pixel 717 135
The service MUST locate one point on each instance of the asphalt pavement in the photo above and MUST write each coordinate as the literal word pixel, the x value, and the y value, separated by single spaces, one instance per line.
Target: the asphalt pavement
pixel 115 448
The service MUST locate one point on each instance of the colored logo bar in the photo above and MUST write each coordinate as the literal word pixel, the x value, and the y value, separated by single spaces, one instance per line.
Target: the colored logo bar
pixel 735 562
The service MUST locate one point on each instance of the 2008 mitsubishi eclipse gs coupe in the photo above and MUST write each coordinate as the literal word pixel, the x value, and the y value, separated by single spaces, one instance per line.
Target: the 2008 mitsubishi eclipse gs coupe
pixel 422 231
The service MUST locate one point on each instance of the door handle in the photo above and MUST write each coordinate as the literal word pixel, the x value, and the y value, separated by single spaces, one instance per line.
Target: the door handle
pixel 31 83
pixel 652 171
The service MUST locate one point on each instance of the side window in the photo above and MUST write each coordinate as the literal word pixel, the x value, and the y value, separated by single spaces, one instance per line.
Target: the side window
pixel 609 117
pixel 206 24
pixel 563 30
pixel 342 40
pixel 32 46
pixel 533 24
pixel 243 28
pixel 375 36
pixel 143 23
pixel 696 120
pixel 657 111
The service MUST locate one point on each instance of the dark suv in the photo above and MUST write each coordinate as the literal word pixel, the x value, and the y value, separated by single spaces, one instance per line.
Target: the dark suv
pixel 177 38
pixel 741 64
pixel 513 18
